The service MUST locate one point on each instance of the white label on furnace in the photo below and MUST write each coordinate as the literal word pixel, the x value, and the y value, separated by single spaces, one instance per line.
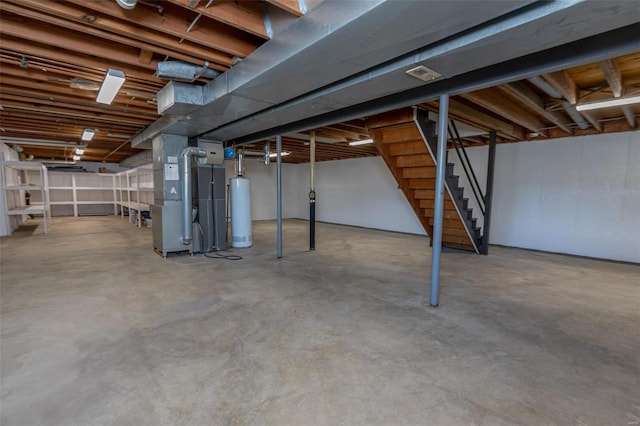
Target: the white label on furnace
pixel 171 172
pixel 171 159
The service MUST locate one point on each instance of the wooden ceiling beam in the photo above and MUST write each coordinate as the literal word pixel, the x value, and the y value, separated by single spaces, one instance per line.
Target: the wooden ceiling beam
pixel 95 32
pixel 96 65
pixel 612 74
pixel 129 107
pixel 75 107
pixel 521 92
pixel 129 34
pixel 593 117
pixel 79 114
pixel 291 6
pixel 145 56
pixel 73 41
pixel 41 71
pixel 505 107
pixel 170 22
pixel 235 14
pixel 473 117
pixel 34 119
pixel 564 84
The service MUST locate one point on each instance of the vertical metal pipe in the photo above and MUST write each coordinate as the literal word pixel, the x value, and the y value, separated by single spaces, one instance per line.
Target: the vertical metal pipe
pixel 240 162
pixel 187 219
pixel 312 191
pixel 441 164
pixel 489 193
pixel 279 194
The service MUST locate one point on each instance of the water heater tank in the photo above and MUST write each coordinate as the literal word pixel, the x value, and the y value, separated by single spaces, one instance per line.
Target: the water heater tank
pixel 240 188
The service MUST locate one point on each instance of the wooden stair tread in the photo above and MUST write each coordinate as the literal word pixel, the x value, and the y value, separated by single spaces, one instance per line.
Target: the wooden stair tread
pixel 402 147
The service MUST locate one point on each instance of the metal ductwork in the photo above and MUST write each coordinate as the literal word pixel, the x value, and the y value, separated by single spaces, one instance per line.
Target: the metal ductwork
pixel 580 121
pixel 281 82
pixel 542 84
pixel 184 71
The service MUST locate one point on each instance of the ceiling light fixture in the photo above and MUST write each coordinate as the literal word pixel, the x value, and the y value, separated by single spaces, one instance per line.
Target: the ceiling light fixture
pixel 275 154
pixel 79 151
pixel 112 83
pixel 76 158
pixel 88 134
pixel 609 103
pixel 362 142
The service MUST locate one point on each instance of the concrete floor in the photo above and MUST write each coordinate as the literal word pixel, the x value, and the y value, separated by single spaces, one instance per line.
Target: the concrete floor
pixel 98 329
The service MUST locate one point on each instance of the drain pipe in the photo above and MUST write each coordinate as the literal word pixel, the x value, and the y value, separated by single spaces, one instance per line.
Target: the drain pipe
pixel 187 228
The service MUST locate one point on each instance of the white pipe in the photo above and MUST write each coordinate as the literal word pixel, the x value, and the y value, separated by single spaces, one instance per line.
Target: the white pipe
pixel 186 191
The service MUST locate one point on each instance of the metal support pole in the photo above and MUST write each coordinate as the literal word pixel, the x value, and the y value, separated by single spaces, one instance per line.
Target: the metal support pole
pixel 312 191
pixel 279 193
pixel 441 165
pixel 489 193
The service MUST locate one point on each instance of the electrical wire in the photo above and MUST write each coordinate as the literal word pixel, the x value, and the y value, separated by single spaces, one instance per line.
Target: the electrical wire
pixel 219 255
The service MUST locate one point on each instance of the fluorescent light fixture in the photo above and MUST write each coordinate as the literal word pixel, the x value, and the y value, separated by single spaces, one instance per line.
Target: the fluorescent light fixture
pixel 88 134
pixel 609 103
pixel 76 157
pixel 275 154
pixel 113 81
pixel 362 142
pixel 79 151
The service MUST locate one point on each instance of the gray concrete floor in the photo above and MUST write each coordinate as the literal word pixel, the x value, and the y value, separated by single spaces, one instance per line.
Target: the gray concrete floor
pixel 98 329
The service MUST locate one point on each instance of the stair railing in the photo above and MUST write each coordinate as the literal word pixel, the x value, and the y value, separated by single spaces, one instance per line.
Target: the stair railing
pixel 456 141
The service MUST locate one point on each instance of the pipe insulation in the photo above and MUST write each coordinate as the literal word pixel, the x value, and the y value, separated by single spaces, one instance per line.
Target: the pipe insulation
pixel 187 218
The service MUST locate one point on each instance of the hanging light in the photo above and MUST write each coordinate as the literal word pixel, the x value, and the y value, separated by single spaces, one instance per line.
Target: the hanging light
pixel 88 134
pixel 113 81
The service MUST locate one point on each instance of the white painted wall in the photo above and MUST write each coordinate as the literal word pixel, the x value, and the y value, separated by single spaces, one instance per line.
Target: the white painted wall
pixel 576 195
pixel 263 188
pixel 359 192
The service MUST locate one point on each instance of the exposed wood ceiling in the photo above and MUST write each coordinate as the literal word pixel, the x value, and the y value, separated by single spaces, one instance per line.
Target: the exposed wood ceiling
pixel 48 46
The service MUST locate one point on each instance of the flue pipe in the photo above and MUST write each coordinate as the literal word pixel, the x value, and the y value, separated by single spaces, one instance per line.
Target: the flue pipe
pixel 187 153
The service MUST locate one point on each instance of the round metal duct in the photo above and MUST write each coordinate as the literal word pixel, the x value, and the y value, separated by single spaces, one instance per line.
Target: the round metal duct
pixel 127 4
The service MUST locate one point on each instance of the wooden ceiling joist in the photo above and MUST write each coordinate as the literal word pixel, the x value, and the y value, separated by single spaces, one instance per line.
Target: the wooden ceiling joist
pixel 521 92
pixel 291 6
pixel 219 37
pixel 563 83
pixel 74 41
pixel 75 18
pixel 505 107
pixel 60 55
pixel 612 74
pixel 240 15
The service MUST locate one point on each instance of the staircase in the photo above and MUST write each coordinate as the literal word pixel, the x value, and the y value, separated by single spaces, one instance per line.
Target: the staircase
pixel 406 140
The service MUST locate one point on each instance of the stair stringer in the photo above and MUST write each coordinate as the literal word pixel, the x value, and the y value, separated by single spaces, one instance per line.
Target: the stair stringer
pixel 418 115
